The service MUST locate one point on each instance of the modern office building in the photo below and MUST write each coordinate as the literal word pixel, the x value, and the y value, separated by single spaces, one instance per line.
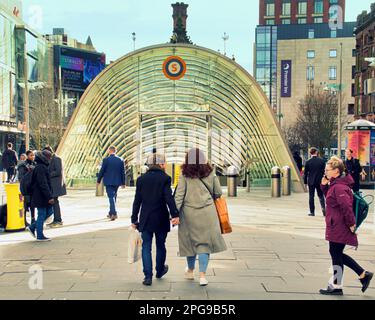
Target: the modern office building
pixel 293 57
pixel 172 97
pixel 19 45
pixel 364 90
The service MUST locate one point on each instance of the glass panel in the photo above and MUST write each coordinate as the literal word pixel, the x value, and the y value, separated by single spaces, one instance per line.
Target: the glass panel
pixel 318 6
pixel 302 8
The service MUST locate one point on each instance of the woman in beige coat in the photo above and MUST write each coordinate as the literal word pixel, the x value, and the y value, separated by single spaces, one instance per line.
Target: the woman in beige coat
pixel 199 230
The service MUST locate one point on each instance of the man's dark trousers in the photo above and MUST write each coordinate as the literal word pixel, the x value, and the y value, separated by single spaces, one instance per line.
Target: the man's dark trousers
pixel 10 172
pixel 112 196
pixel 161 252
pixel 312 196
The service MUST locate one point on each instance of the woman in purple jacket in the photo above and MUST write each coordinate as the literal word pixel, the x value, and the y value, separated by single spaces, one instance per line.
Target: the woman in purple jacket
pixel 340 225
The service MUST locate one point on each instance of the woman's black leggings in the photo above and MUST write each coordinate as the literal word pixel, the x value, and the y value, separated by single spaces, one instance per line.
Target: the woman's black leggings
pixel 339 259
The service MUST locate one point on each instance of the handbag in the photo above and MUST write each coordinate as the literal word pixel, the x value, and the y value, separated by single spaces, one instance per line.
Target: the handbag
pixel 222 212
pixel 134 246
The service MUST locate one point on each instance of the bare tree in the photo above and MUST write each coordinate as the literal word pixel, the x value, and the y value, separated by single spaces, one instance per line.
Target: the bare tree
pixel 317 119
pixel 293 138
pixel 45 118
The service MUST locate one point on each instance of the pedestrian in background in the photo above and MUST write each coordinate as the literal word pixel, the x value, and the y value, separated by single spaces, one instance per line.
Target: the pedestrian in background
pixel 24 167
pixel 314 171
pixel 297 158
pixel 58 187
pixel 151 216
pixel 353 167
pixel 41 197
pixel 340 225
pixel 199 233
pixel 10 161
pixel 112 173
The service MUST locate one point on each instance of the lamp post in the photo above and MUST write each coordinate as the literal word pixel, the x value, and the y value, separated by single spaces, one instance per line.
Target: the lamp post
pixel 225 38
pixel 339 127
pixel 134 37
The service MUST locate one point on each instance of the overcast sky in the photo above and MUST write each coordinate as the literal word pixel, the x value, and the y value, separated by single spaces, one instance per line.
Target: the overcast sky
pixel 110 23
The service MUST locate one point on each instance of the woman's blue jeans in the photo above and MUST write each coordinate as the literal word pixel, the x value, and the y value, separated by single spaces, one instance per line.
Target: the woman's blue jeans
pixel 43 215
pixel 203 262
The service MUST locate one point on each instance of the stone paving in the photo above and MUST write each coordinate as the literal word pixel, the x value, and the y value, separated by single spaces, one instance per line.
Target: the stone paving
pixel 275 252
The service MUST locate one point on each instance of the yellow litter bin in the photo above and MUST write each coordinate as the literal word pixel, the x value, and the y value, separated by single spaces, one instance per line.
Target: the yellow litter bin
pixel 15 208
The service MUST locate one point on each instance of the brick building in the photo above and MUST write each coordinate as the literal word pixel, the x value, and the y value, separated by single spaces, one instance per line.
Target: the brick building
pixel 276 12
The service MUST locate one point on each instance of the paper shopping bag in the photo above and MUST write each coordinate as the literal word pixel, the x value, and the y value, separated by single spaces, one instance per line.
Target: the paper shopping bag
pixel 134 246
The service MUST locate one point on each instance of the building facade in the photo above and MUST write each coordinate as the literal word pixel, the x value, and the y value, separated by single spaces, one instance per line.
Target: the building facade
pixel 292 32
pixel 276 12
pixel 364 90
pixel 314 58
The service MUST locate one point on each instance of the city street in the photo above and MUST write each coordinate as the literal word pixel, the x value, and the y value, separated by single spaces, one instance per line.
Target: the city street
pixel 275 252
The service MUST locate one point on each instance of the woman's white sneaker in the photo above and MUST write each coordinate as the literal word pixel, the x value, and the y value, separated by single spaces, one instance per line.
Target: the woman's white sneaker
pixel 189 275
pixel 203 282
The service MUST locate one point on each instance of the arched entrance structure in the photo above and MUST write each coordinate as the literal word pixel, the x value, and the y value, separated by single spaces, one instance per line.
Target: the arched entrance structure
pixel 216 105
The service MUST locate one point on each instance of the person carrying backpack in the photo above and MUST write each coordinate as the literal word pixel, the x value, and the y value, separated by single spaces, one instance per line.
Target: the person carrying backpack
pixel 23 168
pixel 41 194
pixel 341 226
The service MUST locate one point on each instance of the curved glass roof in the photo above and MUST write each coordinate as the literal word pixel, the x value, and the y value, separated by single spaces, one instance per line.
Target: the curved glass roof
pixel 135 107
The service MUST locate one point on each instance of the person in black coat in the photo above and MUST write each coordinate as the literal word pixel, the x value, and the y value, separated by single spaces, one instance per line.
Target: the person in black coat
pixel 297 158
pixel 353 167
pixel 24 167
pixel 9 161
pixel 153 198
pixel 41 196
pixel 314 172
pixel 58 187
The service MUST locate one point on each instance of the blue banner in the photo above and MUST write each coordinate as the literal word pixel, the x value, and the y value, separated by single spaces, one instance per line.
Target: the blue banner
pixel 286 78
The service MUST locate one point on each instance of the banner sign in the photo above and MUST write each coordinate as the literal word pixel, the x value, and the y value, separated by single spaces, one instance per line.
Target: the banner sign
pixel 286 78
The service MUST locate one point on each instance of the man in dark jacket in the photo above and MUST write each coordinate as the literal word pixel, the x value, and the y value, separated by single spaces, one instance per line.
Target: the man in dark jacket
pixel 314 172
pixel 9 161
pixel 58 187
pixel 41 197
pixel 24 167
pixel 353 167
pixel 113 174
pixel 154 197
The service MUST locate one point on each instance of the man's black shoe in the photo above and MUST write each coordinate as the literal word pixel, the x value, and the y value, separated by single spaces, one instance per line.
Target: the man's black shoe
pixel 147 282
pixel 165 271
pixel 331 292
pixel 366 281
pixel 312 215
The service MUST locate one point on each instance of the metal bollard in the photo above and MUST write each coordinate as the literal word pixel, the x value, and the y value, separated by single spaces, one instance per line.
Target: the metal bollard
pixel 276 182
pixel 232 178
pixel 287 181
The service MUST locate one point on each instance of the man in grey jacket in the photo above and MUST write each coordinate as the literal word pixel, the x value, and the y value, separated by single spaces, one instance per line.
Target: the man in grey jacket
pixel 58 187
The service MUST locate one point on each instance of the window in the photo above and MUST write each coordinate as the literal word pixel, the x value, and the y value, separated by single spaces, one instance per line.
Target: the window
pixel 310 54
pixel 270 22
pixel 333 1
pixel 302 8
pixel 310 75
pixel 332 73
pixel 318 7
pixel 270 10
pixel 311 33
pixel 302 20
pixel 286 9
pixel 318 20
pixel 333 53
pixel 333 33
pixel 285 21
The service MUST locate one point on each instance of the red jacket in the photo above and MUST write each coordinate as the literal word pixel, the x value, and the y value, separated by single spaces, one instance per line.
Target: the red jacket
pixel 340 215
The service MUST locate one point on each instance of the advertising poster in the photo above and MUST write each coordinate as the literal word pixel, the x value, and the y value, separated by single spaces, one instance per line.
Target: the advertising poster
pixel 364 148
pixel 372 149
pixel 353 141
